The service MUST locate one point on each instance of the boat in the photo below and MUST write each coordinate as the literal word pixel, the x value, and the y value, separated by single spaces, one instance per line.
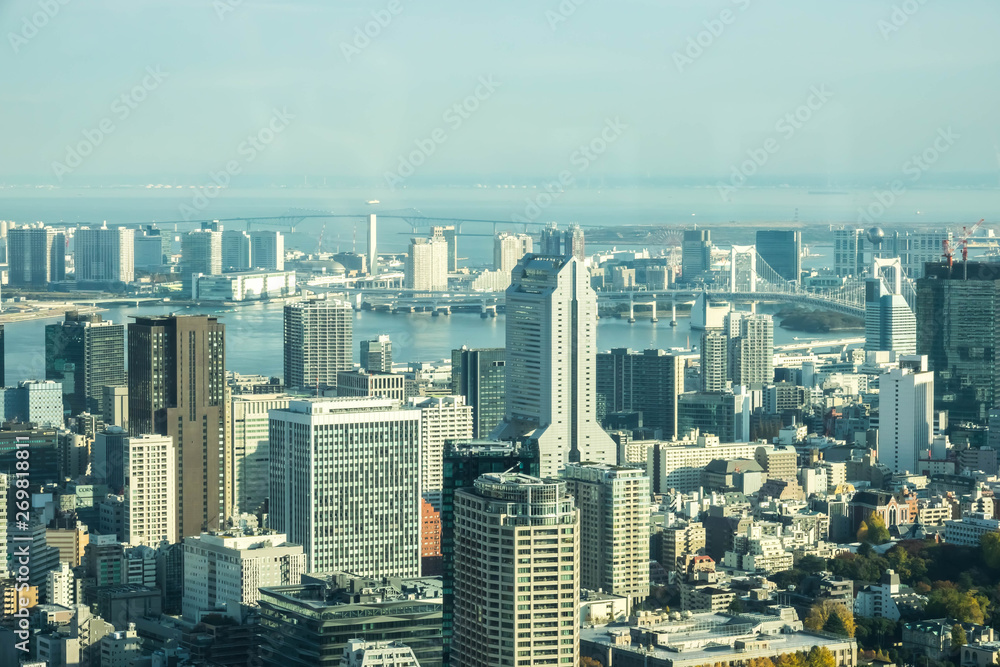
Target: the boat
pixel 372 202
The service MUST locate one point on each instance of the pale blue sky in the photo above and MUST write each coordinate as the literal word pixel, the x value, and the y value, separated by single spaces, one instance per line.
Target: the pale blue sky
pixel 609 59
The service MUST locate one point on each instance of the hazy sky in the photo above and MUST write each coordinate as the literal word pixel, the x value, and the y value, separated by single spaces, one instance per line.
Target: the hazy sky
pixel 560 76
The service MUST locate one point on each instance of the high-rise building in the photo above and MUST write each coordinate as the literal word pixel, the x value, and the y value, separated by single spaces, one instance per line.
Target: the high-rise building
pixel 752 353
pixel 464 463
pixel 361 383
pixel 906 414
pixel 46 463
pixel 176 387
pixel 450 236
pixel 3 359
pixel 115 405
pixel 319 342
pixel 479 375
pixel 150 490
pixel 848 252
pixel 508 249
pixel 781 249
pixel 36 256
pixel 648 382
pixel 345 484
pixel 551 395
pixel 84 353
pixel 60 586
pixel 151 249
pixel 714 355
pixel 37 402
pixel 442 419
pixel 696 254
pixel 108 458
pixel 574 244
pixel 890 325
pixel 614 528
pixel 104 256
pixel 224 568
pixel 536 526
pixel 236 254
pixel 201 252
pixel 957 311
pixel 427 264
pixel 722 413
pixel 551 241
pixel 267 250
pixel 556 243
pixel 376 355
pixel 373 267
pixel 249 427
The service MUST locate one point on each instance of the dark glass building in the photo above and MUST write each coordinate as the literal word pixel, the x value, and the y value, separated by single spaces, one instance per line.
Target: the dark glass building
pixel 480 376
pixel 648 382
pixel 781 249
pixel 42 445
pixel 957 312
pixel 84 353
pixel 462 465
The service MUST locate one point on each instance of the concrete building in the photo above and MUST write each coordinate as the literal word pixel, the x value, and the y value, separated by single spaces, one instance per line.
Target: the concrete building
pixel 150 490
pixel 751 361
pixel 108 456
pixel 249 428
pixel 359 653
pixel 906 415
pixel 551 395
pixel 373 263
pixel 536 523
pixel 889 323
pixel 37 402
pixel 120 649
pixel 267 250
pixel 224 568
pixel 176 388
pixel 426 265
pixel 381 385
pixel 723 413
pixel 201 252
pixel 678 465
pixel 781 462
pixel 60 585
pixel 235 251
pixel 84 353
pixel 450 236
pixel 104 256
pixel 614 528
pixel 680 541
pixel 243 286
pixel 311 625
pixel 115 405
pixel 968 530
pixel 508 249
pixel 376 355
pixel 345 484
pixel 886 598
pixel 318 342
pixel 151 250
pixel 36 257
pixel 442 419
pixel 714 358
pixel 957 309
pixel 480 376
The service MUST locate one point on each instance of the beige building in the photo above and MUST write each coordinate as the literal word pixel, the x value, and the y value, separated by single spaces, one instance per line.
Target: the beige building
pixel 536 524
pixel 779 462
pixel 441 419
pixel 250 442
pixel 681 541
pixel 150 490
pixel 614 528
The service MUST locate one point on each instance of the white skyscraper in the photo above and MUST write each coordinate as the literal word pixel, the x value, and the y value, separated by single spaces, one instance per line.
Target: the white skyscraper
pixel 150 490
pixel 551 394
pixel 508 249
pixel 752 361
pixel 890 325
pixel 536 527
pixel 372 246
pixel 345 484
pixel 906 414
pixel 442 418
pixel 104 255
pixel 59 585
pixel 427 264
pixel 249 424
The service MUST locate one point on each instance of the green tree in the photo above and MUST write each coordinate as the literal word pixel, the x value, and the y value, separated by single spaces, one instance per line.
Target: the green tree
pixel 958 638
pixel 991 549
pixel 965 607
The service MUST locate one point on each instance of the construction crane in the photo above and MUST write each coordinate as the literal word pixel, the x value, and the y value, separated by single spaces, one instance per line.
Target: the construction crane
pixel 947 254
pixel 319 243
pixel 966 233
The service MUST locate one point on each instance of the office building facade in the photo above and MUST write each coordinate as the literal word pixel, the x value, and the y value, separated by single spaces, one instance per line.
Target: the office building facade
pixel 267 250
pixel 781 249
pixel 318 342
pixel 508 249
pixel 442 419
pixel 36 257
pixel 84 354
pixel 480 376
pixel 649 382
pixel 176 388
pixel 249 428
pixel 906 415
pixel 551 394
pixel 376 355
pixel 696 254
pixel 426 266
pixel 104 256
pixel 345 484
pixel 235 251
pixel 150 490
